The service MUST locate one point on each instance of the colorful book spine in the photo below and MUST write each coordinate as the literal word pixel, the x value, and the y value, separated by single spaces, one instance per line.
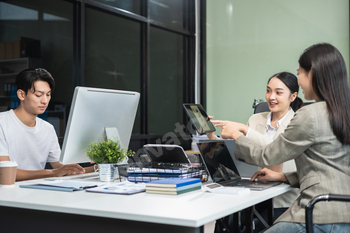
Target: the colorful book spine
pixel 14 98
pixel 173 182
pixel 176 189
pixel 166 192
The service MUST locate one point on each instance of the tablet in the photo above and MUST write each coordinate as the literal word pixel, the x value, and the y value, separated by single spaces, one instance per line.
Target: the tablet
pixel 166 153
pixel 199 118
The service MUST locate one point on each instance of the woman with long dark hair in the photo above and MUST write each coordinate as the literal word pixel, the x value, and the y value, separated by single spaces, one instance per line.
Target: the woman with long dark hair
pixel 317 139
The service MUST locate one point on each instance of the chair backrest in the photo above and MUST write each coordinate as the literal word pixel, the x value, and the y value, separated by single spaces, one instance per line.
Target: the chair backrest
pixel 310 207
pixel 263 107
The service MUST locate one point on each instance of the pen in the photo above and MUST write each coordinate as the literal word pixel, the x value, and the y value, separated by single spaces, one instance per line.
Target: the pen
pixel 87 187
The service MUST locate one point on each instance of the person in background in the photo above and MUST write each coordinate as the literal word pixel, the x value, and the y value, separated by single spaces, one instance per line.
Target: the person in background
pixel 27 139
pixel 317 139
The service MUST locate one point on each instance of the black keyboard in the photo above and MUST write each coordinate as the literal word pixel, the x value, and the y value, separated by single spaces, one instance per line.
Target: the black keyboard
pixel 162 165
pixel 237 182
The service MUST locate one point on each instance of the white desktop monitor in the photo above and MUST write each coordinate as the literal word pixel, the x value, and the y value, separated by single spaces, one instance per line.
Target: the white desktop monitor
pixel 92 111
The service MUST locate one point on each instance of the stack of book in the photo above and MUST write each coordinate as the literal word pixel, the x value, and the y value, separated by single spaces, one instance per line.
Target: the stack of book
pixel 149 174
pixel 173 186
pixel 162 171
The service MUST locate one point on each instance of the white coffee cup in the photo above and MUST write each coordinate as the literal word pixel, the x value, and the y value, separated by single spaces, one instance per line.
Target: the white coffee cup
pixel 8 170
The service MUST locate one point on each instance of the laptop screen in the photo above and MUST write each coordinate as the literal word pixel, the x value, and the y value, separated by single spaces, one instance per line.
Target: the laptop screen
pixel 218 161
pixel 166 153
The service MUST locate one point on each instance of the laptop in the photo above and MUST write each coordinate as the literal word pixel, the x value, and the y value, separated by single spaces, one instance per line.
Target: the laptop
pixel 166 153
pixel 225 169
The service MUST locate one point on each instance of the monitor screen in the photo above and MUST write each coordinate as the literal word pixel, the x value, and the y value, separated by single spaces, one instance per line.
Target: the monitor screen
pixel 93 110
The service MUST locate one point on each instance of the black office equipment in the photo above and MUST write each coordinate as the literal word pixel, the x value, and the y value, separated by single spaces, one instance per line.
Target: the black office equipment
pixel 224 169
pixel 150 171
pixel 166 153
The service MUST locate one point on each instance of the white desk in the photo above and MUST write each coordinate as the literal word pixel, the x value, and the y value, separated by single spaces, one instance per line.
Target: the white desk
pixel 146 212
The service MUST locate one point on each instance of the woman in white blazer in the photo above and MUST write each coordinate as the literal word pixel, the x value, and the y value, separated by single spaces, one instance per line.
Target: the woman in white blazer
pixel 281 96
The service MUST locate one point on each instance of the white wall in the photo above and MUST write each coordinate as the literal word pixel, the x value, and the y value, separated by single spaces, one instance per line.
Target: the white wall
pixel 250 40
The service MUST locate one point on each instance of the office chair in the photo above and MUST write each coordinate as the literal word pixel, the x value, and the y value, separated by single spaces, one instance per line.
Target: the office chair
pixel 261 107
pixel 310 207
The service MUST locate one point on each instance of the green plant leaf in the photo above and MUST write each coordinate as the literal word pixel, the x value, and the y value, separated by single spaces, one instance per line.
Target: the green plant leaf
pixel 107 151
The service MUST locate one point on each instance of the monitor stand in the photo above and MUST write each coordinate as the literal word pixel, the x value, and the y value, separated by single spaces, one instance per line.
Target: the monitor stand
pixel 112 133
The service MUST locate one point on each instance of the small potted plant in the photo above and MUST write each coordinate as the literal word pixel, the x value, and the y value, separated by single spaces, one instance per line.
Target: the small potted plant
pixel 107 154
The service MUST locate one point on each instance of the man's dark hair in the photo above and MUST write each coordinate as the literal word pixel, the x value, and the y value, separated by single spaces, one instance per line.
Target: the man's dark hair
pixel 26 78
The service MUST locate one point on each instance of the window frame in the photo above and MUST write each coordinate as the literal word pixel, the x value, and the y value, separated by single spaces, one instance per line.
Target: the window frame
pixel 146 22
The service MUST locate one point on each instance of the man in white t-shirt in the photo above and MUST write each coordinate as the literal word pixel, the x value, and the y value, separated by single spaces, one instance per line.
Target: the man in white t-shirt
pixel 27 139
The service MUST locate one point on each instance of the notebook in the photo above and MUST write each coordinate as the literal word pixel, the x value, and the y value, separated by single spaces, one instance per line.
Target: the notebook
pixel 60 185
pixel 225 169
